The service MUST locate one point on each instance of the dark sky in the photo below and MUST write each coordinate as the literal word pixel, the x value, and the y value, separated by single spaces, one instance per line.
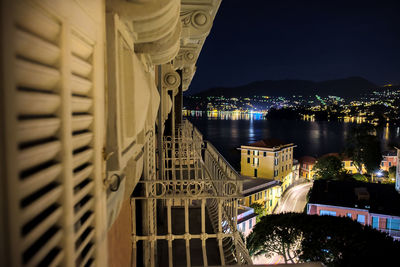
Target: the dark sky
pixel 300 39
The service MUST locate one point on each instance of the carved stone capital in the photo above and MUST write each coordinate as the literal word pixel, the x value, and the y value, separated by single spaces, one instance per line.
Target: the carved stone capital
pixel 170 78
pixel 187 56
pixel 196 23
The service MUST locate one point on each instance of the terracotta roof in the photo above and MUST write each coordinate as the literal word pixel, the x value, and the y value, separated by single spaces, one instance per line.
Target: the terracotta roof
pixel 307 159
pixel 269 143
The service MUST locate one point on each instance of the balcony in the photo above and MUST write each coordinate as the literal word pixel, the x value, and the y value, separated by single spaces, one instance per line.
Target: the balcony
pixel 189 214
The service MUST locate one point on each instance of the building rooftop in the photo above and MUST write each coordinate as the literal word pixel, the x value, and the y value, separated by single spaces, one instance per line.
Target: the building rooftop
pixel 245 213
pixel 307 159
pixel 390 153
pixel 255 185
pixel 377 198
pixel 271 143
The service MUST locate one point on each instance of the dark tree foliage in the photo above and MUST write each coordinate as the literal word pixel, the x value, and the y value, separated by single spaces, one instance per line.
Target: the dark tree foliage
pixel 329 167
pixel 335 241
pixel 363 147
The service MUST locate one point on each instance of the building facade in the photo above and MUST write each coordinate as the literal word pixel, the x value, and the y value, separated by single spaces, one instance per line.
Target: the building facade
pixel 268 158
pixel 97 166
pixel 306 167
pixel 389 159
pixel 376 205
pixel 246 220
pixel 262 191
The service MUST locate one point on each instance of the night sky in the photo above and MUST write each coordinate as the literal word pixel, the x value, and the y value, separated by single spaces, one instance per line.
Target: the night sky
pixel 293 39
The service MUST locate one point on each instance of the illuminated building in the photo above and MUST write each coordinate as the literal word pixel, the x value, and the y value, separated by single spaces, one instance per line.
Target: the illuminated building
pixel 306 167
pixel 377 205
pixel 269 158
pixel 266 192
pixel 389 159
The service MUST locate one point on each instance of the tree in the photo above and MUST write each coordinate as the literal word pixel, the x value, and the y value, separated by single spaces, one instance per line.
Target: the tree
pixel 275 234
pixel 329 167
pixel 363 147
pixel 259 209
pixel 335 241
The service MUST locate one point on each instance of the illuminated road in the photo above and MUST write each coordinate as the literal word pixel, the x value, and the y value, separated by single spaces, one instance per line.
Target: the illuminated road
pixel 294 199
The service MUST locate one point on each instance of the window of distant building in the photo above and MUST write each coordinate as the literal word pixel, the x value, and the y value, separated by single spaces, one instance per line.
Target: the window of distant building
pixel 270 203
pixel 390 164
pixel 348 215
pixel 276 161
pixel 244 226
pixel 255 172
pixel 248 152
pixel 255 152
pixel 361 218
pixel 375 222
pixel 250 223
pixel 248 160
pixel 393 224
pixel 275 173
pixel 286 156
pixel 351 163
pixel 327 212
pixel 265 154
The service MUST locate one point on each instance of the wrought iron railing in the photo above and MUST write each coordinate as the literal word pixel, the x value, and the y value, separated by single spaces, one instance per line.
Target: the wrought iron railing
pixel 195 176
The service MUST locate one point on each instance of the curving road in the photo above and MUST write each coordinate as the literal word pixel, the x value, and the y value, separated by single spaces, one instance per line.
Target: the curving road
pixel 294 199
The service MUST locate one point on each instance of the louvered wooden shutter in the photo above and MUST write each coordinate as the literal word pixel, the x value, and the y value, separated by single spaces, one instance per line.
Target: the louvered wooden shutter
pixel 54 124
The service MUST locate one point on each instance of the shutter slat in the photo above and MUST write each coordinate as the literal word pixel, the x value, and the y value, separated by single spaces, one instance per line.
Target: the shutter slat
pixel 81 48
pixel 38 154
pixel 82 174
pixel 81 140
pixel 36 129
pixel 84 209
pixel 81 122
pixel 41 204
pixel 32 20
pixel 36 76
pixel 39 180
pixel 84 226
pixel 81 104
pixel 41 228
pixel 80 86
pixel 36 49
pixel 33 103
pixel 57 259
pixel 82 157
pixel 80 67
pixel 87 257
pixel 84 243
pixel 50 244
pixel 82 192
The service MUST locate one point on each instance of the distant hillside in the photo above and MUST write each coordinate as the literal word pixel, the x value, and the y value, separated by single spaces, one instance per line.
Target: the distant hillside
pixel 348 87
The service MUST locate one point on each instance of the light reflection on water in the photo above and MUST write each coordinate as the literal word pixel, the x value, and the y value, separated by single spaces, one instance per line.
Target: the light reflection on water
pixel 313 138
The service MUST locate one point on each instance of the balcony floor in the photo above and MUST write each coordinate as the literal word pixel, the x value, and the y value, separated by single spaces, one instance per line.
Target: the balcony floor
pixel 178 246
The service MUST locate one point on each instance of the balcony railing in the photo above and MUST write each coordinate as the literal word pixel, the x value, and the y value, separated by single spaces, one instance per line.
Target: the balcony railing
pixel 197 201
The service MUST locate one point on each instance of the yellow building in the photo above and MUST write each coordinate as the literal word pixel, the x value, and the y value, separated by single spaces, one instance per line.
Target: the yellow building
pixel 306 167
pixel 263 191
pixel 268 158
